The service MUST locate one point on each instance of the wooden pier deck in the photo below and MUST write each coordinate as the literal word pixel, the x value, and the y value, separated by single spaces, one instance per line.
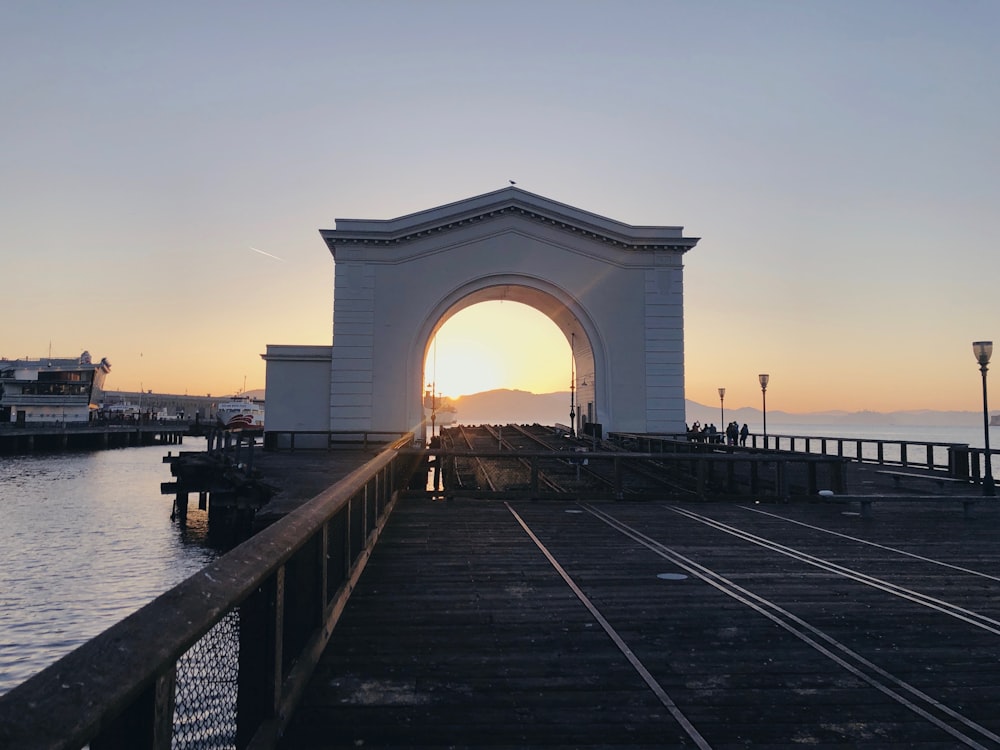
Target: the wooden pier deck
pixel 97 436
pixel 647 625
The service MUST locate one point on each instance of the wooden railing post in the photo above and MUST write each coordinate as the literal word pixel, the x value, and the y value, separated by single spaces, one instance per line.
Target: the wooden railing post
pixel 958 461
pixel 781 479
pixel 261 637
pixel 148 722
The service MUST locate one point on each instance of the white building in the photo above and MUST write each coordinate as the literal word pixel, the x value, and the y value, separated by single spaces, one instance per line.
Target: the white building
pixel 51 390
pixel 615 291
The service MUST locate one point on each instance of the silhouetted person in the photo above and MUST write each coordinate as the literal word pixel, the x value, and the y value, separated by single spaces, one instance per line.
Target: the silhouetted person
pixel 743 434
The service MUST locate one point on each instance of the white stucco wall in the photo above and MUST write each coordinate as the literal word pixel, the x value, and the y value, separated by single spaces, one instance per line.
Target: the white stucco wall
pixel 618 291
pixel 664 350
pixel 297 387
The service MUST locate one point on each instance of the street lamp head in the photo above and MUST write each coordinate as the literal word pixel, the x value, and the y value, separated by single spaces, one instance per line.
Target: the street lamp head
pixel 722 393
pixel 983 351
pixel 763 377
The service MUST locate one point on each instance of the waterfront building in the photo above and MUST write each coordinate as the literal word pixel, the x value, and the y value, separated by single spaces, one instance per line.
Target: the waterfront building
pixel 51 390
pixel 148 405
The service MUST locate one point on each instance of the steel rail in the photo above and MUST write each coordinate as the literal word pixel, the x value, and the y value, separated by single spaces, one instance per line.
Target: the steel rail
pixel 859 540
pixel 477 460
pixel 918 702
pixel 619 642
pixel 948 608
pixel 543 477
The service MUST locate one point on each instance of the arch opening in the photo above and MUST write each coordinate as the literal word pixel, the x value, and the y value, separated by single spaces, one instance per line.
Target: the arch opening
pixel 573 369
pixel 497 345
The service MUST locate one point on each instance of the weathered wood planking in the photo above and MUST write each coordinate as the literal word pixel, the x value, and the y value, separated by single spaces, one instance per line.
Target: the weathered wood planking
pixel 461 634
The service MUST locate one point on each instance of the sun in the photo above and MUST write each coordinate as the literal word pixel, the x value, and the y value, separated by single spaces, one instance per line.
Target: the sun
pixel 495 345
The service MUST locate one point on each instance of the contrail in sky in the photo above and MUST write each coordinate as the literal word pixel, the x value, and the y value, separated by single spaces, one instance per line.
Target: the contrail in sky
pixel 263 253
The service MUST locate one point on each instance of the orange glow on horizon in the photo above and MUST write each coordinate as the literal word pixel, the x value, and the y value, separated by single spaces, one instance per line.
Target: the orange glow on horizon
pixel 498 345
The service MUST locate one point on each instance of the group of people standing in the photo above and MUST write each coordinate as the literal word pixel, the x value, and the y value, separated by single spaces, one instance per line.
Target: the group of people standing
pixel 710 433
pixel 734 432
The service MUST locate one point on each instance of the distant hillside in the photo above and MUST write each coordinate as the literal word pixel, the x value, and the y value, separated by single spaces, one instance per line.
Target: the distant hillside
pixel 916 418
pixel 504 406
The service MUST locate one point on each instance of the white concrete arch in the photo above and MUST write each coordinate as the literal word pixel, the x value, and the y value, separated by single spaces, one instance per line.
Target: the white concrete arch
pixel 614 289
pixel 557 304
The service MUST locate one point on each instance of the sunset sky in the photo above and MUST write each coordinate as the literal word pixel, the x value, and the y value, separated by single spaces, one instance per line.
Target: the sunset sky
pixel 165 170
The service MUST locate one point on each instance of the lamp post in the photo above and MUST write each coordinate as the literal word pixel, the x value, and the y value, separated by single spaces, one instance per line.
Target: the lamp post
pixel 432 395
pixel 572 385
pixel 763 378
pixel 983 350
pixel 722 406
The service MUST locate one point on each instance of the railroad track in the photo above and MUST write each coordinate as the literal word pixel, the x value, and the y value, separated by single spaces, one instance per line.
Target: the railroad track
pixel 708 625
pixel 556 464
pixel 802 627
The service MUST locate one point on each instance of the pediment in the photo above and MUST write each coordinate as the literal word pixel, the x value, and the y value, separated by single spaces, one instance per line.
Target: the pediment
pixel 507 202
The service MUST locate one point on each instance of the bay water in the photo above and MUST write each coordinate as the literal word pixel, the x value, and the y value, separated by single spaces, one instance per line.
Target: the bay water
pixel 85 540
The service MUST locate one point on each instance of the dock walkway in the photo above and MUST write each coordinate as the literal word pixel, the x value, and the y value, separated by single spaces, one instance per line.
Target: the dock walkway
pixel 557 624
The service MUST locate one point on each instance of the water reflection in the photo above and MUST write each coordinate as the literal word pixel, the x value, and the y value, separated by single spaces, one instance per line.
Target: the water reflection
pixel 86 539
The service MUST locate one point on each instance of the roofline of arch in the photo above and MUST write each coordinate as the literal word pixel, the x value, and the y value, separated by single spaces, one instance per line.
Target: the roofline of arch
pixel 510 201
pixel 478 288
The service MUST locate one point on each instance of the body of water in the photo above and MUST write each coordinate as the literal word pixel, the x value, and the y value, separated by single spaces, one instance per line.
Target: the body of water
pixel 85 539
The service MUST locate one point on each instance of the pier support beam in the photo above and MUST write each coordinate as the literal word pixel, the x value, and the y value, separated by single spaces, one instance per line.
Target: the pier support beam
pixel 180 508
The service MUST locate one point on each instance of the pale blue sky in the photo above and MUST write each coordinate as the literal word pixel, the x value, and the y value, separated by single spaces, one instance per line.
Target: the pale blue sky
pixel 839 161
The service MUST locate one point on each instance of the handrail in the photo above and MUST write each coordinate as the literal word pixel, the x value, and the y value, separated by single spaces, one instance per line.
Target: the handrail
pixel 954 459
pixel 761 473
pixel 118 689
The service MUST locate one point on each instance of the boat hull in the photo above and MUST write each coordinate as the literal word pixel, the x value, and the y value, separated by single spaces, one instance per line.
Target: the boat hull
pixel 240 414
pixel 242 422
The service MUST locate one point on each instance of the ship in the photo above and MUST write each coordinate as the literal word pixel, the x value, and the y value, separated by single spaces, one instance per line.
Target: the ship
pixel 240 413
pixel 52 390
pixel 121 411
pixel 440 410
pixel 446 415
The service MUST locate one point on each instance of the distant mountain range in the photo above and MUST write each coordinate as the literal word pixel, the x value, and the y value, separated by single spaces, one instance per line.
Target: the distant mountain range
pixel 504 406
pixel 914 418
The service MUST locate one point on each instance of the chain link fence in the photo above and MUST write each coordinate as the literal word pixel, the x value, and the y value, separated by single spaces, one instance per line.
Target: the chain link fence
pixel 205 707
